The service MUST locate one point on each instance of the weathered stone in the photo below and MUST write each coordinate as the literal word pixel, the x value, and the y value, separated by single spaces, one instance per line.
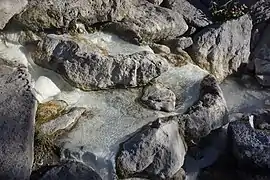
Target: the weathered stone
pixel 194 12
pixel 98 70
pixel 222 49
pixel 157 151
pixel 9 8
pixel 148 22
pixel 64 122
pixel 208 113
pixel 17 114
pixel 260 11
pixel 180 59
pixel 261 59
pixel 71 171
pixel 50 110
pixel 159 98
pixel 251 146
pixel 178 44
pixel 158 48
pixel 157 2
pixel 42 15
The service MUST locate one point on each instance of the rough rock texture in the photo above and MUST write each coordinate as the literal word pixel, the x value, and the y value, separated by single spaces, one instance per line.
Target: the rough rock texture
pixel 260 11
pixel 157 151
pixel 148 22
pixel 159 98
pixel 261 59
pixel 17 114
pixel 64 122
pixel 159 48
pixel 71 171
pixel 179 44
pixel 47 14
pixel 157 2
pixel 97 70
pixel 9 8
pixel 221 49
pixel 194 12
pixel 250 146
pixel 209 113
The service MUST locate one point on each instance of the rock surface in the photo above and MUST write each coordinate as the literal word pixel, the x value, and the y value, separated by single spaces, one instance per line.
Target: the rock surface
pixel 157 151
pixel 209 113
pixel 251 146
pixel 148 22
pixel 221 49
pixel 98 70
pixel 71 171
pixel 260 11
pixel 159 98
pixel 17 114
pixel 261 59
pixel 64 122
pixel 9 8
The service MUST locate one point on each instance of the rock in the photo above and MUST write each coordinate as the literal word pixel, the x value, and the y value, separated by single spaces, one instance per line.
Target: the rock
pixel 157 151
pixel 64 122
pixel 47 14
pixel 261 59
pixel 208 113
pixel 50 110
pixel 260 11
pixel 156 2
pixel 96 69
pixel 178 44
pixel 222 49
pixel 180 175
pixel 159 98
pixel 195 13
pixel 9 8
pixel 71 171
pixel 150 23
pixel 158 48
pixel 251 146
pixel 17 113
pixel 180 59
pixel 45 89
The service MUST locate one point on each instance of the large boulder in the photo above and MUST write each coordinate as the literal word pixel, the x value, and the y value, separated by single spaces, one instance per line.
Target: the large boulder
pixel 208 113
pixel 261 59
pixel 148 22
pixel 250 140
pixel 221 49
pixel 194 12
pixel 8 8
pixel 156 151
pixel 95 68
pixel 47 14
pixel 17 115
pixel 71 171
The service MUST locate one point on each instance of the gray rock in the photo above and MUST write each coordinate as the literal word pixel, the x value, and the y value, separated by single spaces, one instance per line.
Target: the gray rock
pixel 159 98
pixel 195 13
pixel 208 113
pixel 17 114
pixel 222 49
pixel 251 146
pixel 178 44
pixel 260 11
pixel 64 122
pixel 159 48
pixel 98 70
pixel 261 59
pixel 157 151
pixel 150 23
pixel 156 2
pixel 47 14
pixel 71 171
pixel 8 8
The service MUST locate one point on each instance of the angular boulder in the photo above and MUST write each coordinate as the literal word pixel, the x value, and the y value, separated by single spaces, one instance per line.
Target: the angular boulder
pixel 8 8
pixel 222 49
pixel 95 68
pixel 17 116
pixel 251 146
pixel 156 151
pixel 71 171
pixel 208 113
